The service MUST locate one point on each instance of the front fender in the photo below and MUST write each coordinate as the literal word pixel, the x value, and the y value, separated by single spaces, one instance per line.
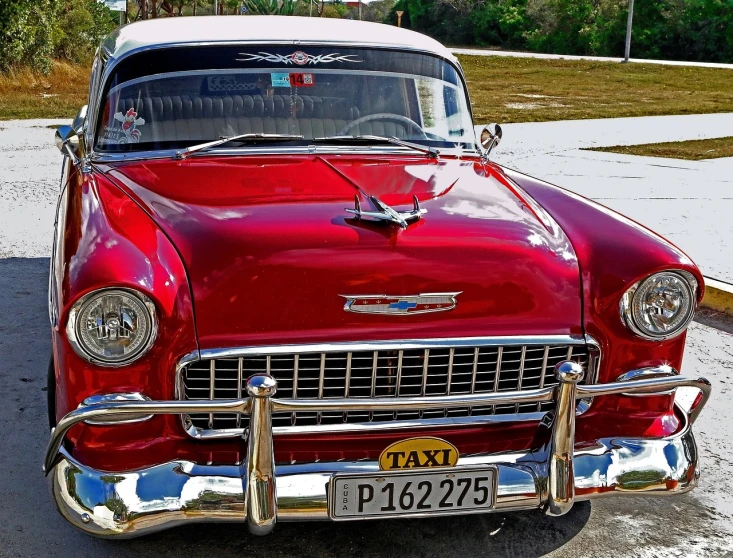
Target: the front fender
pixel 109 241
pixel 613 253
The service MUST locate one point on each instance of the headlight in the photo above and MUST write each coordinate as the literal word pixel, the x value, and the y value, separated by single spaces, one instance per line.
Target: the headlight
pixel 112 327
pixel 661 306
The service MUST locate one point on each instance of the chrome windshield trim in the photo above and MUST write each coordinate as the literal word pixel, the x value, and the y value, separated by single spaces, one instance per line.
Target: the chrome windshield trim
pixel 310 149
pixel 399 344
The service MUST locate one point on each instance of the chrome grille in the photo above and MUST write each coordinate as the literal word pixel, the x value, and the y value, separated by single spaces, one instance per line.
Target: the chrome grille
pixel 411 372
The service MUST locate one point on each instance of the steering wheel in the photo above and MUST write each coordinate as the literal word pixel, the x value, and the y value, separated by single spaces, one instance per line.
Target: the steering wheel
pixel 385 116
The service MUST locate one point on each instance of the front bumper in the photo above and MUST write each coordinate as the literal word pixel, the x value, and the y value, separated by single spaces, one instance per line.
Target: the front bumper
pixel 258 493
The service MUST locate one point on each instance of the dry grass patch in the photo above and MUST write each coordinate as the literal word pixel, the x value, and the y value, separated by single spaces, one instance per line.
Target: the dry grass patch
pixel 505 89
pixel 695 150
pixel 60 94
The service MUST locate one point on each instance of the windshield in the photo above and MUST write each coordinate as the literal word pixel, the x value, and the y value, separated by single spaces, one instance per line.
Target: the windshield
pixel 168 100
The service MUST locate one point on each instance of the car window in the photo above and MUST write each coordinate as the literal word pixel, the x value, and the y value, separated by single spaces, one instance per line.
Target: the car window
pixel 413 97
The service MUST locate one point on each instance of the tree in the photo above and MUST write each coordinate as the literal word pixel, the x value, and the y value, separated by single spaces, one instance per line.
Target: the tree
pixel 271 7
pixel 79 27
pixel 377 11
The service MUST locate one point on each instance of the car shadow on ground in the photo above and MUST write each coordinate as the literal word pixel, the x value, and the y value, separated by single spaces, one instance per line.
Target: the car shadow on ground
pixel 30 526
pixel 521 534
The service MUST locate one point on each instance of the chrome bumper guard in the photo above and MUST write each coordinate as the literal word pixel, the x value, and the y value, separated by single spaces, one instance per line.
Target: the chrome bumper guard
pixel 259 493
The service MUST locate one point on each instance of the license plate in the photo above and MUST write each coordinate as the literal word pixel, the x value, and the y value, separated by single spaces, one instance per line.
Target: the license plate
pixel 408 493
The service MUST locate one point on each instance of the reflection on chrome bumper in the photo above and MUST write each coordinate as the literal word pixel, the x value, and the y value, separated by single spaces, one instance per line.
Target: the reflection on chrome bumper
pixel 258 493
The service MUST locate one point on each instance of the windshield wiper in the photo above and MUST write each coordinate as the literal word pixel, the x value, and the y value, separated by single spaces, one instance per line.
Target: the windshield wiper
pixel 183 153
pixel 429 151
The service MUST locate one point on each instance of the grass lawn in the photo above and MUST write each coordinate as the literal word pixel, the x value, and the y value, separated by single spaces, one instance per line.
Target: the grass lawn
pixel 694 150
pixel 503 89
pixel 507 89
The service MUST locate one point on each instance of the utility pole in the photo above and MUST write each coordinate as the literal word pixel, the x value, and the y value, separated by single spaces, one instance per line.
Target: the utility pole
pixel 627 52
pixel 359 10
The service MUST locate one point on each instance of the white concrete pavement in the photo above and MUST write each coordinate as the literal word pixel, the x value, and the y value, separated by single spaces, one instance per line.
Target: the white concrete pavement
pixel 30 170
pixel 517 54
pixel 688 202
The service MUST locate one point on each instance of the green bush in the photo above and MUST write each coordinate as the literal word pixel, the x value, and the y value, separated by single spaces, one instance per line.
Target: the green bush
pixel 25 34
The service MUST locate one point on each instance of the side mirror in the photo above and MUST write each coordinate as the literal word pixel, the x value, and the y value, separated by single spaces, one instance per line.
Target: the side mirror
pixel 81 116
pixel 67 141
pixel 490 138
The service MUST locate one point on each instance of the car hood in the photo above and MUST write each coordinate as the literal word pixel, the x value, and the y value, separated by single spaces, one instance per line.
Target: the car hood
pixel 270 250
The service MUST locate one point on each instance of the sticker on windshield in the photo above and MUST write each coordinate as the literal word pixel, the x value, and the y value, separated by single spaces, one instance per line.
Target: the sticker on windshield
pixel 280 80
pixel 302 80
pixel 298 58
pixel 229 84
pixel 127 132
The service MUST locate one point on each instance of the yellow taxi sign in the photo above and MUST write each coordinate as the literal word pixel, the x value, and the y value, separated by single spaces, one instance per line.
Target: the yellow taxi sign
pixel 418 453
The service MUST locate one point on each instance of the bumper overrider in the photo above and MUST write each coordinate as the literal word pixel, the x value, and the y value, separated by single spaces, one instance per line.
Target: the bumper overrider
pixel 260 493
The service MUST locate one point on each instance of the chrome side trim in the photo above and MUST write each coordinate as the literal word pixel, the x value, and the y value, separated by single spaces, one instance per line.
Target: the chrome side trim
pixel 111 398
pixel 644 373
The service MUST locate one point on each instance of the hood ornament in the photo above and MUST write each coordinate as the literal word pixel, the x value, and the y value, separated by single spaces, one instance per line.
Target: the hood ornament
pixel 400 305
pixel 386 213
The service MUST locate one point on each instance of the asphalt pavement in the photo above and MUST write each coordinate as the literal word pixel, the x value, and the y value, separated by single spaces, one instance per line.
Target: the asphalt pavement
pixel 698 524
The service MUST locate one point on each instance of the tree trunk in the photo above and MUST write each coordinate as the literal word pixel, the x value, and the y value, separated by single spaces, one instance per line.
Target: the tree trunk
pixel 194 7
pixel 154 4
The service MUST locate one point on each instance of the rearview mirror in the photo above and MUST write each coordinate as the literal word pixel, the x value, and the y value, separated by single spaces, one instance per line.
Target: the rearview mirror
pixel 67 141
pixel 78 124
pixel 490 138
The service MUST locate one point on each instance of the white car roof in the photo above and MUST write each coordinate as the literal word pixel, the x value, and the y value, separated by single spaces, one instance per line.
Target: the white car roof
pixel 180 31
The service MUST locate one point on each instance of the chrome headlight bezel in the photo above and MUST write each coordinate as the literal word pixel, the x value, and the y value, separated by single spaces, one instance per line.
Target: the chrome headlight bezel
pixel 75 339
pixel 631 321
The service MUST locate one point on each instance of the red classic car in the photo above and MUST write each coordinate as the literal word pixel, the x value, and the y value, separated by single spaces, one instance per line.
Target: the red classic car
pixel 288 284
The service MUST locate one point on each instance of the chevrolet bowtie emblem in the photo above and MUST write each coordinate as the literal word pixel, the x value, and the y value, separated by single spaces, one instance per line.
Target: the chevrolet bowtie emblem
pixel 410 304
